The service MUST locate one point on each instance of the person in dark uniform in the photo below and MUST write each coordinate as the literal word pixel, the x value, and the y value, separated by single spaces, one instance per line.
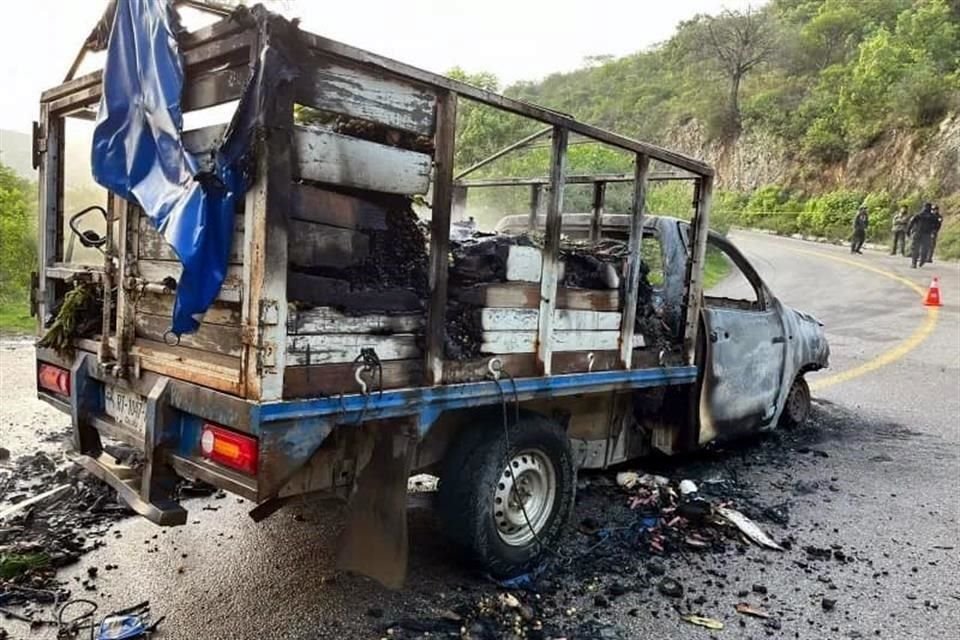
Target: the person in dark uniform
pixel 900 221
pixel 936 232
pixel 860 223
pixel 921 229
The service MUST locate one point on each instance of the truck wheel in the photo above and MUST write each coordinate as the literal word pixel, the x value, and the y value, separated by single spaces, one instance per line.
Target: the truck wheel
pixel 484 483
pixel 796 410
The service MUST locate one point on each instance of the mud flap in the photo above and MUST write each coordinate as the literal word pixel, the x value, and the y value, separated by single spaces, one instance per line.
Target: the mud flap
pixel 374 540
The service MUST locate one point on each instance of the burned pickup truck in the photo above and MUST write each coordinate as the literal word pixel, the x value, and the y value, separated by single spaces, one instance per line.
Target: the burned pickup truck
pixel 269 304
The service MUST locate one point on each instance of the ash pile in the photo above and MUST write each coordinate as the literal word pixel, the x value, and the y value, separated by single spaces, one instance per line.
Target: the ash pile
pixel 51 514
pixel 641 529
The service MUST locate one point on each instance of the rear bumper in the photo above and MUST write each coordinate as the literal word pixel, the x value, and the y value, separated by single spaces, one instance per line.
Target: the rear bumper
pixel 164 512
pixel 168 441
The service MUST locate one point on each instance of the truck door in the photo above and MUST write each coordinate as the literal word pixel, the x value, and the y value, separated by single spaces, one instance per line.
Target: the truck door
pixel 744 346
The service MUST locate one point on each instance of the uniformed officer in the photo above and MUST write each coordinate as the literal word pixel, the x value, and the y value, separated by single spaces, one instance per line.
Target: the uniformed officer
pixel 921 229
pixel 860 223
pixel 900 231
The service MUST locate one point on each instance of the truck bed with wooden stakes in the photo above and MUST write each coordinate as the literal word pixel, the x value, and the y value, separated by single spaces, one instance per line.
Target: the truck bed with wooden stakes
pixel 326 364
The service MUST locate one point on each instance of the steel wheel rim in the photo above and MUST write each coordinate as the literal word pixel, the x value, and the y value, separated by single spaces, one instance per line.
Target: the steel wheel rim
pixel 797 402
pixel 535 479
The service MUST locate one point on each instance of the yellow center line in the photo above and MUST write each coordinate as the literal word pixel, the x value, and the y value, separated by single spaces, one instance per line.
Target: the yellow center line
pixel 891 355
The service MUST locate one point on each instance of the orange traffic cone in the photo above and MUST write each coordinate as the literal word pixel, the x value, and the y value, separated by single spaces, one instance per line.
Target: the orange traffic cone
pixel 933 294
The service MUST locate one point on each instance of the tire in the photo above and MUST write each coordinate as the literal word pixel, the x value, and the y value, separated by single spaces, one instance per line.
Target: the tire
pixel 477 491
pixel 796 408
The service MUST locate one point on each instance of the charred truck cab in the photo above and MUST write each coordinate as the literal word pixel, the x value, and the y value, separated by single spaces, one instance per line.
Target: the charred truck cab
pixel 345 347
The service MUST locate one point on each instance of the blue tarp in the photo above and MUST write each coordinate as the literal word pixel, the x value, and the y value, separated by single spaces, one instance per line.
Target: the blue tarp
pixel 138 153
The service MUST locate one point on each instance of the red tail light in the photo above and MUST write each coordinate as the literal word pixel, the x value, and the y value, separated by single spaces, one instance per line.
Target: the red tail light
pixel 54 379
pixel 229 448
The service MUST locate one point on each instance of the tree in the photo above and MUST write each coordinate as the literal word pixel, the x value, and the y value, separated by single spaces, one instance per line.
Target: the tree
pixel 17 235
pixel 738 42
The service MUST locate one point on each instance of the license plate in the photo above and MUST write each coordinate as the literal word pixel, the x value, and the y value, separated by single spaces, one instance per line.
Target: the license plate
pixel 126 407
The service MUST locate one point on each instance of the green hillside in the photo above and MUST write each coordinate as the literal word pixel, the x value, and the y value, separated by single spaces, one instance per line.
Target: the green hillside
pixel 824 83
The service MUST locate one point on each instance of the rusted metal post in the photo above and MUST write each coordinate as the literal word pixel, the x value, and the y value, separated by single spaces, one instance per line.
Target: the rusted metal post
pixel 536 205
pixel 693 298
pixel 49 144
pixel 551 250
pixel 458 208
pixel 440 234
pixel 129 228
pixel 599 195
pixel 499 154
pixel 632 285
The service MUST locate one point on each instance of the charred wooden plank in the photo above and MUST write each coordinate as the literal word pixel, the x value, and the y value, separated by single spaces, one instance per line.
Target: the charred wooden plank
pixel 345 347
pixel 157 270
pixel 524 365
pixel 515 294
pixel 332 158
pixel 154 246
pixel 519 365
pixel 213 47
pixel 214 87
pixel 506 319
pixel 319 245
pixel 224 313
pixel 314 204
pixel 526 341
pixel 329 320
pixel 211 338
pixel 363 92
pixel 395 68
pixel 329 292
pixel 334 379
pixel 201 367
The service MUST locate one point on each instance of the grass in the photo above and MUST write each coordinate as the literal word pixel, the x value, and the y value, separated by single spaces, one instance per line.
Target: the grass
pixel 15 564
pixel 715 269
pixel 15 318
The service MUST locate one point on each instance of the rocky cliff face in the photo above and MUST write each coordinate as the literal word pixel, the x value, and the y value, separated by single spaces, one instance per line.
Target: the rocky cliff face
pixel 900 162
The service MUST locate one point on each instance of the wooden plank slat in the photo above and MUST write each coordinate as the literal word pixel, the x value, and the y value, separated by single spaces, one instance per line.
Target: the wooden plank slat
pixel 314 244
pixel 212 338
pixel 511 105
pixel 363 92
pixel 526 341
pixel 330 292
pixel 156 270
pixel 308 202
pixel 329 320
pixel 153 246
pixel 333 158
pixel 504 319
pixel 215 87
pixel 334 379
pixel 223 313
pixel 524 365
pixel 516 294
pixel 216 45
pixel 204 368
pixel 345 347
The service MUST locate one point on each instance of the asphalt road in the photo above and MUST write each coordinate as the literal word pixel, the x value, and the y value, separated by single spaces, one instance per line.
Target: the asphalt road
pixel 883 484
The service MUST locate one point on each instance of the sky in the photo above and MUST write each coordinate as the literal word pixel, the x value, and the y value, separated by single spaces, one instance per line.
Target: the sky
pixel 515 39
